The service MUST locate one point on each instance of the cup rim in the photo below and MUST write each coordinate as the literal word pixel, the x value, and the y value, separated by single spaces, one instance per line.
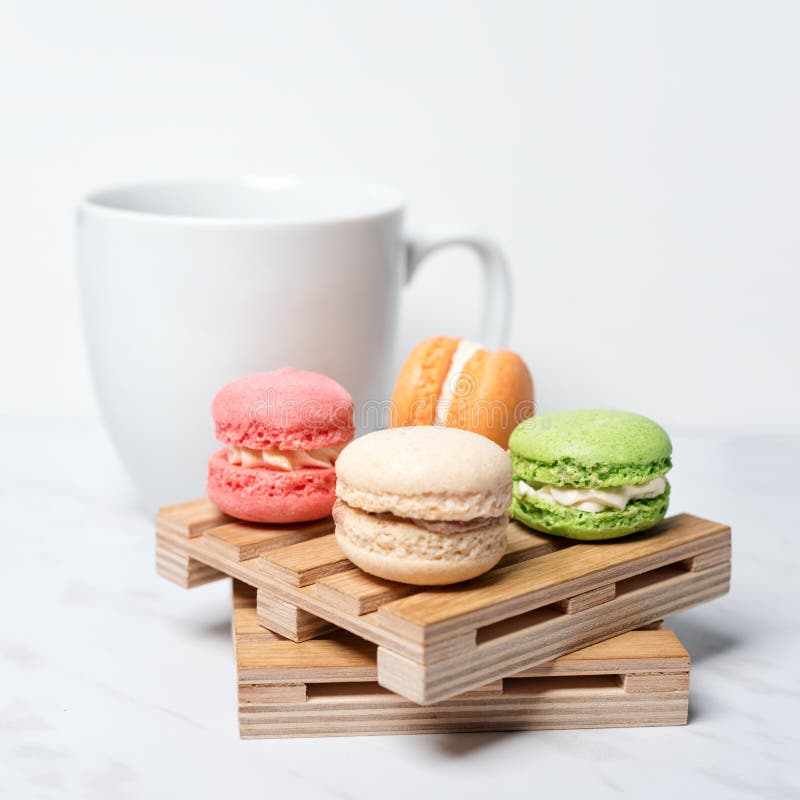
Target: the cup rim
pixel 389 201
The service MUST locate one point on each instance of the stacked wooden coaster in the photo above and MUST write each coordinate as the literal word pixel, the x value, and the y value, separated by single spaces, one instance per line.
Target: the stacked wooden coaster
pixel 325 649
pixel 328 686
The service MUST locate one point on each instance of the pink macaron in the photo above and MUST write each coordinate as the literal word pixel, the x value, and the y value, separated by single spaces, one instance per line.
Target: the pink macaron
pixel 282 432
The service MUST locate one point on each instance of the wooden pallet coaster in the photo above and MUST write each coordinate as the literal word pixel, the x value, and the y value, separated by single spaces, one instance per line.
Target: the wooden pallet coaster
pixel 548 596
pixel 328 687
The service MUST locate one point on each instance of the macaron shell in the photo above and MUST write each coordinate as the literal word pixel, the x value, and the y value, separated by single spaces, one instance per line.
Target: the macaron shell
pixel 425 471
pixel 591 436
pixel 258 494
pixel 638 515
pixel 493 395
pixel 398 550
pixel 286 409
pixel 419 382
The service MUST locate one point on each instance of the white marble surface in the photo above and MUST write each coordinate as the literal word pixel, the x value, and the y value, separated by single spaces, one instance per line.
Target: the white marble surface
pixel 118 684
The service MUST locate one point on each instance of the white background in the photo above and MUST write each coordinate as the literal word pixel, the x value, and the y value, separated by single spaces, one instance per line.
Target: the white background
pixel 638 161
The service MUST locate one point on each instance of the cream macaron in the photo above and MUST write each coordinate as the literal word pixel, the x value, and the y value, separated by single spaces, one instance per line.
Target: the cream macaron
pixel 423 505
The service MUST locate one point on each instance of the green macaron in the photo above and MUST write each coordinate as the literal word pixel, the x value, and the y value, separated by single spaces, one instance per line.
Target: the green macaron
pixel 590 474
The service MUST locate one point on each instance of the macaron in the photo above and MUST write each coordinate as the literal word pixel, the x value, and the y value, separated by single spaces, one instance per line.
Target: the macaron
pixel 423 505
pixel 460 384
pixel 282 432
pixel 590 474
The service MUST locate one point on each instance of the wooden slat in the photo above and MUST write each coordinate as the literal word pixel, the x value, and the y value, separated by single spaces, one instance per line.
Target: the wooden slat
pixel 252 696
pixel 558 708
pixel 711 558
pixel 338 657
pixel 647 683
pixel 288 620
pixel 554 576
pixel 241 541
pixel 648 650
pixel 358 593
pixel 580 602
pixel 191 518
pixel 302 564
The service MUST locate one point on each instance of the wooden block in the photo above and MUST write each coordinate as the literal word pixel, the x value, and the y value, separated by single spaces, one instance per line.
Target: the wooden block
pixel 190 519
pixel 244 595
pixel 253 695
pixel 649 682
pixel 358 593
pixel 184 570
pixel 244 619
pixel 457 646
pixel 246 627
pixel 711 558
pixel 602 594
pixel 306 562
pixel 288 620
pixel 240 541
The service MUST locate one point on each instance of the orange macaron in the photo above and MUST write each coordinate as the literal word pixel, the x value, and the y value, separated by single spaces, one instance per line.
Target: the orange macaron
pixel 460 384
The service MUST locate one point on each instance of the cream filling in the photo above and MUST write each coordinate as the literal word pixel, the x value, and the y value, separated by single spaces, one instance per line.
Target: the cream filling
pixel 462 354
pixel 594 499
pixel 284 460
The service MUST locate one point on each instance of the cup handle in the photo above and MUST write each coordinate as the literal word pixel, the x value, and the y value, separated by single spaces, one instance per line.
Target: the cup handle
pixel 496 318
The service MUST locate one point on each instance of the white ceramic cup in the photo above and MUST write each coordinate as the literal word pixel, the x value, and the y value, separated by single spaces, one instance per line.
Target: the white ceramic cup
pixel 188 284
